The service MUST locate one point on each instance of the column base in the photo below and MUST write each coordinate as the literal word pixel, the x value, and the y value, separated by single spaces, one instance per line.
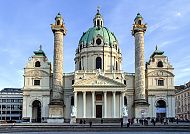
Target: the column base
pixel 55 120
pixel 55 113
pixel 125 120
pixel 73 120
pixel 141 109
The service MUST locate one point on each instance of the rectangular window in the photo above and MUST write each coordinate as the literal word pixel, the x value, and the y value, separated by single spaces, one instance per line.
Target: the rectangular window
pixel 36 82
pixel 160 82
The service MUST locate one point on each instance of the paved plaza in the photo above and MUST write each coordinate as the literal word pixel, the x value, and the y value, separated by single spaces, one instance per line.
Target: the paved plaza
pixel 101 133
pixel 106 128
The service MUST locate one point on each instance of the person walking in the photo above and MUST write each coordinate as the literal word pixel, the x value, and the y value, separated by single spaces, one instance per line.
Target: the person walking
pixel 177 120
pixel 90 123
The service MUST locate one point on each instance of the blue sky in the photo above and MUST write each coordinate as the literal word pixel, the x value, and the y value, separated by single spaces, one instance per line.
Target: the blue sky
pixel 24 25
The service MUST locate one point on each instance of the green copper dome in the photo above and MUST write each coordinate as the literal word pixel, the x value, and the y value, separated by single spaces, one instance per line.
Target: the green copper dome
pixel 102 32
pixel 98 31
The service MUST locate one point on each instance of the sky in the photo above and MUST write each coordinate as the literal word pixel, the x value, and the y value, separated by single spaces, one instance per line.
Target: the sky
pixel 25 25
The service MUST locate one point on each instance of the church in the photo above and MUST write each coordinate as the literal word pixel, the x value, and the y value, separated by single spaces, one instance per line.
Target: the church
pixel 98 88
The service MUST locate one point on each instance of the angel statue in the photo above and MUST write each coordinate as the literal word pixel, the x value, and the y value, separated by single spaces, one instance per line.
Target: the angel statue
pixel 125 111
pixel 73 111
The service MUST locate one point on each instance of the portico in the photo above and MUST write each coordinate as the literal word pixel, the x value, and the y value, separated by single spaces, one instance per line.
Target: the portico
pixel 99 100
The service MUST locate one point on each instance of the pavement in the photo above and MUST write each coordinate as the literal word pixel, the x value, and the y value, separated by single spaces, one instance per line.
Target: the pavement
pixel 96 127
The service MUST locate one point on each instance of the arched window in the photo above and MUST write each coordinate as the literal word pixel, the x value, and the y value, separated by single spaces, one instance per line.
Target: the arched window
pixel 72 101
pixel 37 64
pixel 73 81
pixel 98 63
pixel 58 22
pixel 98 22
pixel 116 67
pixel 125 82
pixel 139 22
pixel 160 64
pixel 80 65
pixel 125 100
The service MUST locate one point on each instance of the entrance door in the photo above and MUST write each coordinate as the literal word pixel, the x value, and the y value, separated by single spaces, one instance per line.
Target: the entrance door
pixel 160 109
pixel 98 111
pixel 36 111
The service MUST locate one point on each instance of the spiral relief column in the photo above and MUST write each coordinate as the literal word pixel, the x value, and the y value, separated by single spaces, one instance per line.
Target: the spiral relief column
pixel 140 99
pixel 56 104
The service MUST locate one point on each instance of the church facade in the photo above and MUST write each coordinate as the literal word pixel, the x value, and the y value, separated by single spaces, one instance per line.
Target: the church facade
pixel 98 88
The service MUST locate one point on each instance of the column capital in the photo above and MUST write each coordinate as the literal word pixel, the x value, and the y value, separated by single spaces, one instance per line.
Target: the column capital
pixel 123 93
pixel 84 92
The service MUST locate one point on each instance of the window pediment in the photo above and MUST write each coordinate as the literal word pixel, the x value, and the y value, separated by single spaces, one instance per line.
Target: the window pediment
pixel 36 73
pixel 160 73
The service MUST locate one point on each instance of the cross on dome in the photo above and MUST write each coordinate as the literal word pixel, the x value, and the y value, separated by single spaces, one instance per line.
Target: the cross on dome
pixel 98 9
pixel 40 47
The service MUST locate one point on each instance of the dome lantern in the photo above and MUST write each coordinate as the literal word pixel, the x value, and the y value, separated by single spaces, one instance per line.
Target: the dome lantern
pixel 98 20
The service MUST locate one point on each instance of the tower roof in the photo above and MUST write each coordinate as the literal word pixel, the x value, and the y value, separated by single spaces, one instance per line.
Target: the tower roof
pixel 58 15
pixel 40 52
pixel 138 16
pixel 157 52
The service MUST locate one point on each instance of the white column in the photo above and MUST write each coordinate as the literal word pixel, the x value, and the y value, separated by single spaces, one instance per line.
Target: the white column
pixel 84 104
pixel 122 95
pixel 113 104
pixel 105 104
pixel 93 105
pixel 122 103
pixel 75 101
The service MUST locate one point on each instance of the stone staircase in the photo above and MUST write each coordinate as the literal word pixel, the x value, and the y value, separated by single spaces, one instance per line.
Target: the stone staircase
pixel 99 120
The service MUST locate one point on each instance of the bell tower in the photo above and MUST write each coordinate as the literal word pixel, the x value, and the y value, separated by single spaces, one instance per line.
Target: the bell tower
pixel 138 31
pixel 56 103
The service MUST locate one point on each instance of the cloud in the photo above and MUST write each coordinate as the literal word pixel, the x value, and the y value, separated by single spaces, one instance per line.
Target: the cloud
pixel 158 25
pixel 181 70
pixel 169 42
pixel 178 14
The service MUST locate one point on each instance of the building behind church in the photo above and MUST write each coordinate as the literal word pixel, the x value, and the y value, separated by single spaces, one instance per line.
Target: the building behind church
pixel 11 104
pixel 183 101
pixel 98 88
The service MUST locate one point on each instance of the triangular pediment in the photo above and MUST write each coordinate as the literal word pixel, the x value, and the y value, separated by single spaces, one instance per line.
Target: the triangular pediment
pixel 98 81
